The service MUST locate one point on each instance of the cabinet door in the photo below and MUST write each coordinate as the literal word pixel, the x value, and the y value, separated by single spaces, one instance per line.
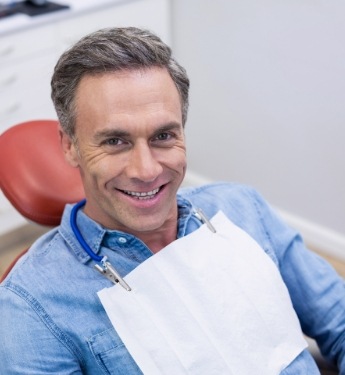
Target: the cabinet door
pixel 26 45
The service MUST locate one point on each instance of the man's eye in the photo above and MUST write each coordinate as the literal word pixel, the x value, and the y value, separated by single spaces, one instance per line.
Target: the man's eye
pixel 163 136
pixel 113 142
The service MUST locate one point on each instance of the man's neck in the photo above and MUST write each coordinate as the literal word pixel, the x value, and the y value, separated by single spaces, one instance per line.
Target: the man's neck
pixel 158 240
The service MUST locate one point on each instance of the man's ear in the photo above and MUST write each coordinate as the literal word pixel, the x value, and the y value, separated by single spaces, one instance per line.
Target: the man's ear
pixel 69 149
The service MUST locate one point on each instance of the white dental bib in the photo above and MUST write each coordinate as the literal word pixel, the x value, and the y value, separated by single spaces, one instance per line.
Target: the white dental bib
pixel 207 304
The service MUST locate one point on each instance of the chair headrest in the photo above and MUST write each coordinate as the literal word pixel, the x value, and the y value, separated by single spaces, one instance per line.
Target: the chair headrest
pixel 34 175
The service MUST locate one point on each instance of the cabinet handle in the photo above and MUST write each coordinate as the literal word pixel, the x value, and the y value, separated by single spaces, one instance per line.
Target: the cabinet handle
pixel 7 50
pixel 10 109
pixel 6 81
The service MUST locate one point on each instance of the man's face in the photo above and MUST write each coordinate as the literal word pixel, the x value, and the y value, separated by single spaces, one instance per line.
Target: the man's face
pixel 130 149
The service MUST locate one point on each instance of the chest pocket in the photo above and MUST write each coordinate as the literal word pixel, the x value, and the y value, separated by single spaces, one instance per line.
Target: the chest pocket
pixel 111 354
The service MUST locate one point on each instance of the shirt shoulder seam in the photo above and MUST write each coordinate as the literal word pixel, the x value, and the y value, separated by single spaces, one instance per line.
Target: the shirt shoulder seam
pixel 45 318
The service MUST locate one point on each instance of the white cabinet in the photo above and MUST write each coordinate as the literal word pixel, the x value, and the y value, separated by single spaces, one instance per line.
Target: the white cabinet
pixel 26 62
pixel 23 96
pixel 28 55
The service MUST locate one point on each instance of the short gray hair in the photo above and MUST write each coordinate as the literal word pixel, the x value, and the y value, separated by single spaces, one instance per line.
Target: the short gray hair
pixel 110 50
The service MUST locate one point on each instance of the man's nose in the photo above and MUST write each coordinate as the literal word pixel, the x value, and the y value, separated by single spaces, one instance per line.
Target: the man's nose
pixel 143 164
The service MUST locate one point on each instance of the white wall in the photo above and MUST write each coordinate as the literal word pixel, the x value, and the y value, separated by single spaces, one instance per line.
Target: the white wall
pixel 268 99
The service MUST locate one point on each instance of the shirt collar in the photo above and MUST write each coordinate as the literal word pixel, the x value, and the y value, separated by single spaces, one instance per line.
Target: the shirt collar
pixel 94 233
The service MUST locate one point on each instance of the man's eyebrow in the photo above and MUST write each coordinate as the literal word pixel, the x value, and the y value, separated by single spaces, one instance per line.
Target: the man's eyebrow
pixel 120 133
pixel 168 127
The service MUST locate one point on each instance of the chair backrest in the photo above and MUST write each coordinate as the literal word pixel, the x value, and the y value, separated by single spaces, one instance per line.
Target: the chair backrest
pixel 34 175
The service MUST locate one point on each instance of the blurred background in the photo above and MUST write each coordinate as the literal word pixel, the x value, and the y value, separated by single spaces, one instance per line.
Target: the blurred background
pixel 267 104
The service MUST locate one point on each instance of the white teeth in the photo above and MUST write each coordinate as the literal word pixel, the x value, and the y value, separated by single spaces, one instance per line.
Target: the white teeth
pixel 143 195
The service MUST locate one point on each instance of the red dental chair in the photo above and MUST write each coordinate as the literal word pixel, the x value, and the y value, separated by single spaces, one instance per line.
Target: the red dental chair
pixel 34 175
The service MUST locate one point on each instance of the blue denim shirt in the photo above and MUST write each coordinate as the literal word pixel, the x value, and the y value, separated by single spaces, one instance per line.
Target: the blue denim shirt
pixel 52 321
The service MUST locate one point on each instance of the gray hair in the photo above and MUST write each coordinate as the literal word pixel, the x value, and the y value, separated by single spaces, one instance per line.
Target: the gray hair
pixel 109 50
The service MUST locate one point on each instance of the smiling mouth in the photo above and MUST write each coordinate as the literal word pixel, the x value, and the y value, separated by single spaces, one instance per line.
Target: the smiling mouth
pixel 142 195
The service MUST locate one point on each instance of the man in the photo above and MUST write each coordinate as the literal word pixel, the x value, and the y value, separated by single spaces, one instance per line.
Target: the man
pixel 122 104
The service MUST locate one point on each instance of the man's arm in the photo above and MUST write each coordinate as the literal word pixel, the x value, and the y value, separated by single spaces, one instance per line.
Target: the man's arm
pixel 318 296
pixel 28 345
pixel 317 291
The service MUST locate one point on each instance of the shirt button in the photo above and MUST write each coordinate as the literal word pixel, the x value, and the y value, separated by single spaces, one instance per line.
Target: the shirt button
pixel 122 240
